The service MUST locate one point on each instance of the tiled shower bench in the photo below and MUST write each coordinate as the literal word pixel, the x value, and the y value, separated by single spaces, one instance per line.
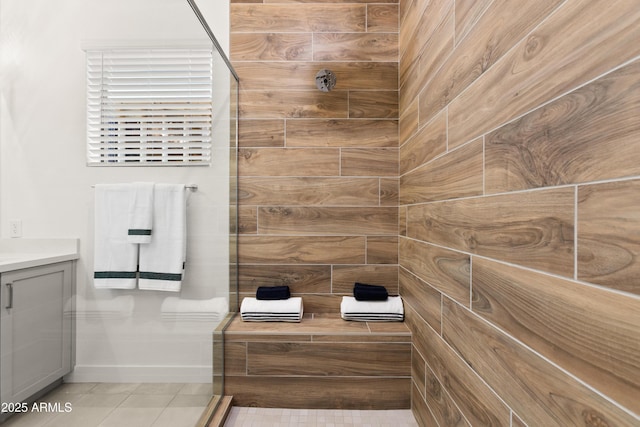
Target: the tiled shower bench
pixel 323 362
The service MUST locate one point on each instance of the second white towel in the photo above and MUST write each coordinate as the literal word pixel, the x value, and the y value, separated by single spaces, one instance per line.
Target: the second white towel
pixel 162 260
pixel 283 310
pixel 389 310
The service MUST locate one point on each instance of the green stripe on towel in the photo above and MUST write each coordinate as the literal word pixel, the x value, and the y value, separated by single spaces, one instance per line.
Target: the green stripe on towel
pixel 139 232
pixel 160 276
pixel 114 275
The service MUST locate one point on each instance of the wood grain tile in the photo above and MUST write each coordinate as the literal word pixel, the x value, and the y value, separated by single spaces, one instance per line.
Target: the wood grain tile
pixel 254 335
pixel 544 65
pixel 327 220
pixel 383 249
pixel 270 75
pixel 437 48
pixel 419 331
pixel 235 358
pixel 408 80
pixel 425 145
pixel 373 104
pixel 609 235
pixel 342 133
pixel 462 384
pixel 301 249
pixel 418 371
pixel 261 133
pixel 517 422
pixel 321 303
pixel 588 331
pixel 311 327
pixel 445 270
pixel 327 359
pixel 310 356
pixel 257 104
pixel 293 18
pixel 502 24
pixel 247 220
pixel 535 389
pixel 382 18
pixel 440 403
pixel 310 191
pixel 467 13
pixel 428 42
pixel 382 329
pixel 434 397
pixel 389 191
pixel 355 47
pixel 410 14
pixel 369 338
pixel 408 120
pixel 289 162
pixel 369 161
pixel 534 229
pixel 300 75
pixel 331 393
pixel 457 174
pixel 271 46
pixel 366 75
pixel 590 134
pixel 301 279
pixel 423 299
pixel 407 10
pixel 420 409
pixel 345 276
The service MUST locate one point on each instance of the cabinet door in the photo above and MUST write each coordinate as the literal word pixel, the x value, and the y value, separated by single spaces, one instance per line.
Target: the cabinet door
pixel 35 327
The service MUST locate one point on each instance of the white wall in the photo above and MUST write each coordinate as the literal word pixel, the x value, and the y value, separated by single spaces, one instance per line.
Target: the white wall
pixel 45 183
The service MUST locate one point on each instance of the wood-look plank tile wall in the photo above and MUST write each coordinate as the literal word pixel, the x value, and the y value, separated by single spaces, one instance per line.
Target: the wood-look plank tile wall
pixel 318 171
pixel 519 242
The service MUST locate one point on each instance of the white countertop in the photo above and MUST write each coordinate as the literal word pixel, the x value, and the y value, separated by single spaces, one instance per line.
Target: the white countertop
pixel 16 254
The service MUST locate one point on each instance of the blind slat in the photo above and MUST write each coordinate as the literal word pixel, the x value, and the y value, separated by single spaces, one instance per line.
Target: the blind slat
pixel 149 106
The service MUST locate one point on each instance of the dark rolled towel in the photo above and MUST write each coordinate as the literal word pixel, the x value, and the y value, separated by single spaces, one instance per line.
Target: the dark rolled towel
pixel 363 292
pixel 273 292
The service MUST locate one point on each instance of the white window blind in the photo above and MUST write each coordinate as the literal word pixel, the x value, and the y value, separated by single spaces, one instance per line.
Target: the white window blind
pixel 150 106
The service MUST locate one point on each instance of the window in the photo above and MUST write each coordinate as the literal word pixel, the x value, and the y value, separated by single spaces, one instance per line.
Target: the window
pixel 149 106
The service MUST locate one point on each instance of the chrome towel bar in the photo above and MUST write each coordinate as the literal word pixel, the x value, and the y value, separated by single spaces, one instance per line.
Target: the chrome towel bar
pixel 192 187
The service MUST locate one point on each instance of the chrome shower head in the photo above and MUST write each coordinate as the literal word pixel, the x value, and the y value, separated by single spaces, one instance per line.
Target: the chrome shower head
pixel 325 80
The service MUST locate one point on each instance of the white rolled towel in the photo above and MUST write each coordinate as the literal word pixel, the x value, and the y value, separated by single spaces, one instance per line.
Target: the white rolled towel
pixel 389 310
pixel 284 310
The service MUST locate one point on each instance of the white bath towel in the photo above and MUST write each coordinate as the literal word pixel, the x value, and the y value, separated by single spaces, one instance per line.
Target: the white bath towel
pixel 162 260
pixel 389 310
pixel 115 258
pixel 283 310
pixel 140 215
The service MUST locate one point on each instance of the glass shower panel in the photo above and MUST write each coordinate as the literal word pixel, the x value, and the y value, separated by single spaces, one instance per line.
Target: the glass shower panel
pixel 147 341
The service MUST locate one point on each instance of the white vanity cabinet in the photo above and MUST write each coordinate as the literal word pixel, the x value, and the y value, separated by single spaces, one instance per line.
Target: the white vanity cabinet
pixel 36 329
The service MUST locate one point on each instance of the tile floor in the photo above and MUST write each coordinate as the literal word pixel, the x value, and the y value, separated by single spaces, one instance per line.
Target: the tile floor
pixel 270 417
pixel 179 405
pixel 118 405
